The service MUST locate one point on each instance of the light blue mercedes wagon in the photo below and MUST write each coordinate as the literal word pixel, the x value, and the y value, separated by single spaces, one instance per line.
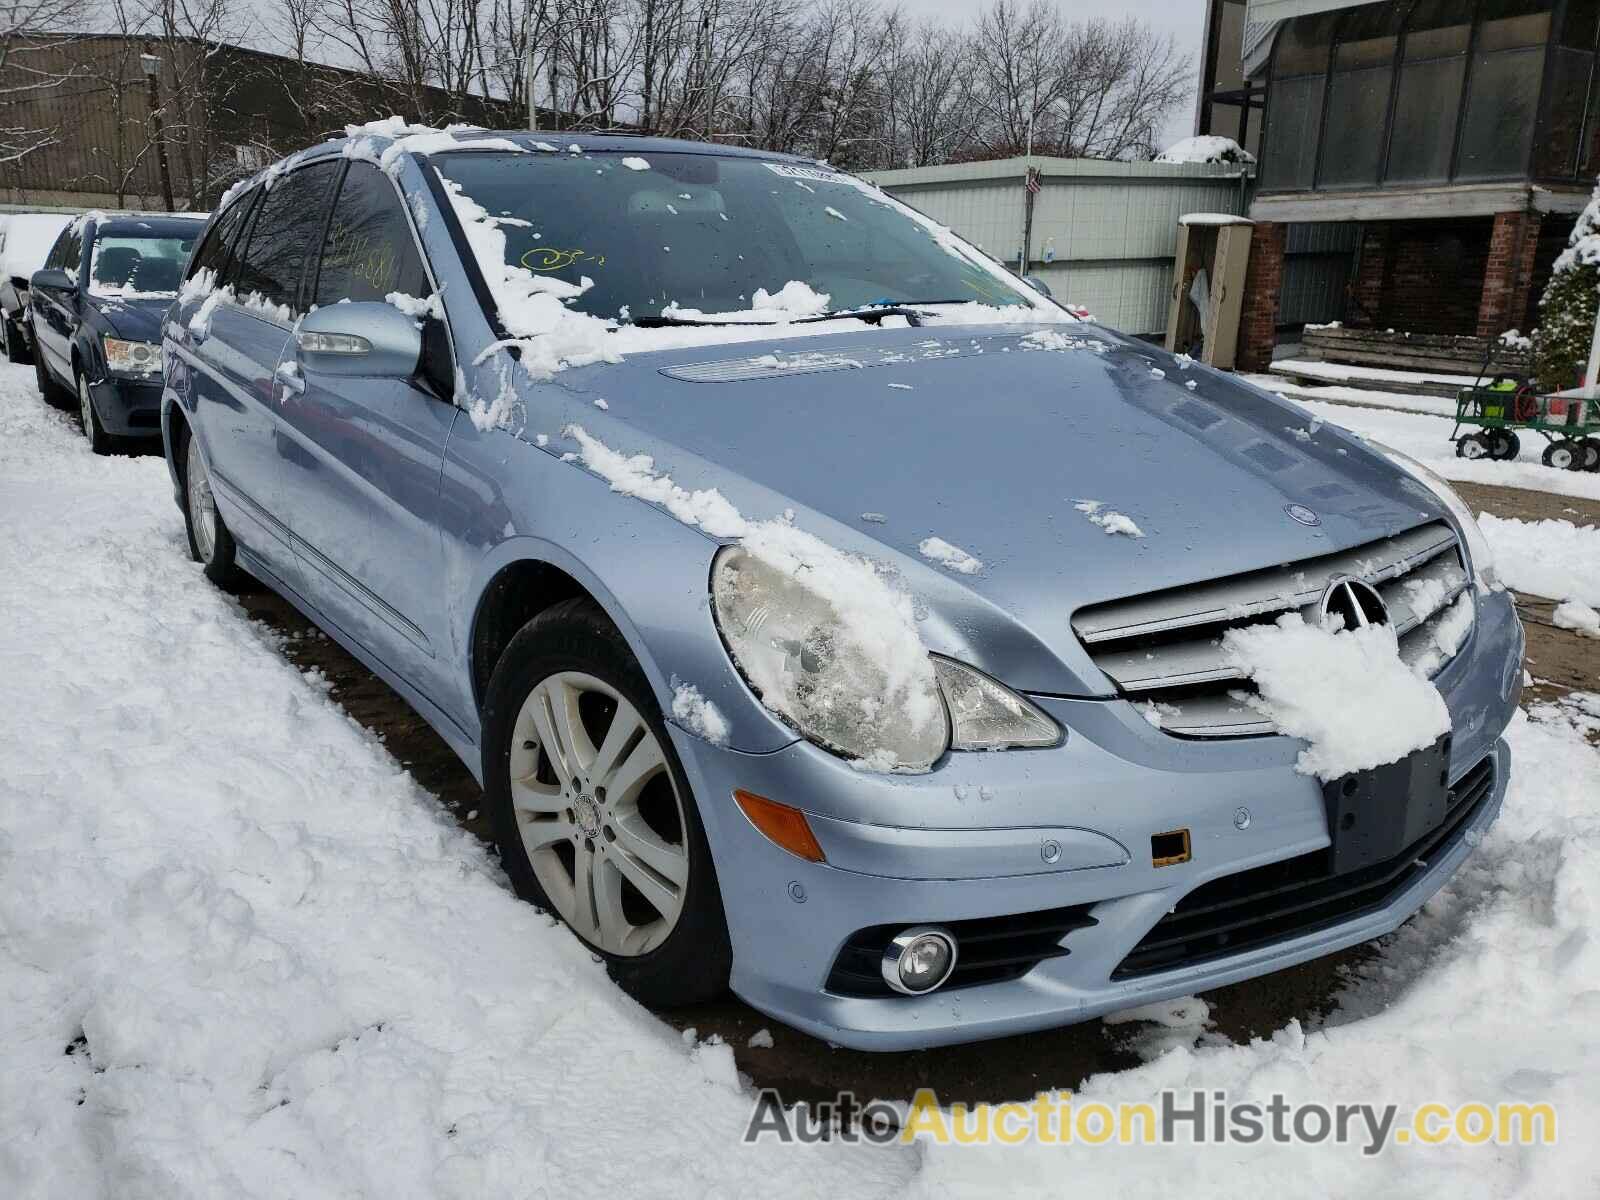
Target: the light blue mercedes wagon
pixel 826 613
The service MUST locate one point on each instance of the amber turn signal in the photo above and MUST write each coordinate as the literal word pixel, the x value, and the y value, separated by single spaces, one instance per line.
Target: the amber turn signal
pixel 781 825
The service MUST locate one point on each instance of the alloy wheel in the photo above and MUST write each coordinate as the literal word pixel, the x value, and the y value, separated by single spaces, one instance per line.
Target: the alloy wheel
pixel 202 505
pixel 599 813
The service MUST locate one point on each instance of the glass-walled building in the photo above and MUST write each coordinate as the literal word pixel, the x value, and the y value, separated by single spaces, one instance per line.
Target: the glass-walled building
pixel 1453 142
pixel 1433 92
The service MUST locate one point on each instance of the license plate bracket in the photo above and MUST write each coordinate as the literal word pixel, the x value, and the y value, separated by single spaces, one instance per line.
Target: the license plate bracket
pixel 1374 815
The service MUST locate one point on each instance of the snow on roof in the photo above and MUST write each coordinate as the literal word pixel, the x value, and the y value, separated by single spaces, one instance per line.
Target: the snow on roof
pixel 1214 219
pixel 1207 148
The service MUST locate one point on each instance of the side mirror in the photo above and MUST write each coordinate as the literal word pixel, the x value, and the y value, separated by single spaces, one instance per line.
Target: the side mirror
pixel 1038 285
pixel 53 279
pixel 367 339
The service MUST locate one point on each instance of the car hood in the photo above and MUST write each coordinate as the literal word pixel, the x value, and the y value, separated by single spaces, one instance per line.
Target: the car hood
pixel 137 320
pixel 989 440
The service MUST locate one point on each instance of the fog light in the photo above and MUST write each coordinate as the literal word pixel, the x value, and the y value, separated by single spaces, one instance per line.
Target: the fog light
pixel 919 960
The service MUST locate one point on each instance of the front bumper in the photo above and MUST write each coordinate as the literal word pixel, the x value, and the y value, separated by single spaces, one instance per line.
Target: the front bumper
pixel 987 835
pixel 128 407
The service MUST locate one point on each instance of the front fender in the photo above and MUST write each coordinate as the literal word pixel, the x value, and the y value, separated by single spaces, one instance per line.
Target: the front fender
pixel 506 501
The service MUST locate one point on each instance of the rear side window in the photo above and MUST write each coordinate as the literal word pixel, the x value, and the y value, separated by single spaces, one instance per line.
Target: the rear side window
pixel 369 251
pixel 66 253
pixel 287 225
pixel 218 243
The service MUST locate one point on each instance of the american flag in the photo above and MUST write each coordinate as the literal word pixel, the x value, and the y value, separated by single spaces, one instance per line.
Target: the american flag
pixel 1031 180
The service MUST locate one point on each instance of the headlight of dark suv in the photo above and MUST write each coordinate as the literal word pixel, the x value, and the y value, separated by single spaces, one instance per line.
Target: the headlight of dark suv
pixel 132 358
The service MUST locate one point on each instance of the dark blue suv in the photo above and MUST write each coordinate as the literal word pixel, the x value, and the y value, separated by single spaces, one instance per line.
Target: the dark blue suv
pixel 96 311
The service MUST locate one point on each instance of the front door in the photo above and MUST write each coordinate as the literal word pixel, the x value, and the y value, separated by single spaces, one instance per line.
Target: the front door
pixel 361 458
pixel 237 338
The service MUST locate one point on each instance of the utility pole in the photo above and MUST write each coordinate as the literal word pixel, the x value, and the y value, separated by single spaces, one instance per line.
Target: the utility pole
pixel 151 63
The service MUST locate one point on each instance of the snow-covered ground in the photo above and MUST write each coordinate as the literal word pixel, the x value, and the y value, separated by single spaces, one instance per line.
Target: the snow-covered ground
pixel 244 954
pixel 1435 406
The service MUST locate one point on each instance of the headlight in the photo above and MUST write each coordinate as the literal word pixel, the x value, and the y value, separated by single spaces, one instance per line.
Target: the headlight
pixel 823 670
pixel 833 674
pixel 985 715
pixel 132 358
pixel 1478 552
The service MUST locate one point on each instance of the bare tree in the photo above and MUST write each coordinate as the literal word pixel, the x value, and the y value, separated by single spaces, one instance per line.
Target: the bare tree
pixel 30 30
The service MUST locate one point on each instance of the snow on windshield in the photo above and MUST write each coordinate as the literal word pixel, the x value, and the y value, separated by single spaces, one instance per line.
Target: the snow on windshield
pixel 138 266
pixel 589 256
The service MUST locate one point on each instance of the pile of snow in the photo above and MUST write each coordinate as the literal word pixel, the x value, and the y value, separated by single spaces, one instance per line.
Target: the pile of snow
pixel 1206 148
pixel 1109 519
pixel 1575 615
pixel 875 632
pixel 794 299
pixel 946 555
pixel 1345 692
pixel 1555 559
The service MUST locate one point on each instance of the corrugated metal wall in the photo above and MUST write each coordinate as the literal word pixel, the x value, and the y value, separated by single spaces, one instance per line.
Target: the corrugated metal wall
pixel 1112 227
pixel 1316 267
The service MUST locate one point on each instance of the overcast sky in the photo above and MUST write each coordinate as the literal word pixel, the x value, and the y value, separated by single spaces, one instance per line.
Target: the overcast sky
pixel 1183 19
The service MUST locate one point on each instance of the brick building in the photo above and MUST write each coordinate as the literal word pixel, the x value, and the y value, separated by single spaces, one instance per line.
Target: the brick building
pixel 120 121
pixel 1452 142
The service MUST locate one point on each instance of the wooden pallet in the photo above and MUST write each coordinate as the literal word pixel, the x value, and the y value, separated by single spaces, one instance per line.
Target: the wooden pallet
pixel 1446 354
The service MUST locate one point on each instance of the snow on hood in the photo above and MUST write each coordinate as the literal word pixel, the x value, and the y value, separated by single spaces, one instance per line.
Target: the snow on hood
pixel 990 443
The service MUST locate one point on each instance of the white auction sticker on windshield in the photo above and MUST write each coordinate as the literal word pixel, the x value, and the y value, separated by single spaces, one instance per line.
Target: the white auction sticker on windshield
pixel 791 171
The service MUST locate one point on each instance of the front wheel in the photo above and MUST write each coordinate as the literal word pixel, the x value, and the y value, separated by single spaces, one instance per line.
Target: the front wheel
pixel 1591 454
pixel 99 440
pixel 592 811
pixel 1564 455
pixel 1473 446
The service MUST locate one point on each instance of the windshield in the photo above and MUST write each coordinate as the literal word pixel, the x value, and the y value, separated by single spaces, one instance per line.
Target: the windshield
pixel 697 237
pixel 137 266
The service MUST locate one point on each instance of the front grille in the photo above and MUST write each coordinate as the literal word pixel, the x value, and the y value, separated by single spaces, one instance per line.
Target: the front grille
pixel 1166 647
pixel 988 950
pixel 1283 900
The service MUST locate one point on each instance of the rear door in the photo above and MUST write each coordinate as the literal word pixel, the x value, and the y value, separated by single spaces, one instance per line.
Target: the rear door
pixel 237 338
pixel 361 458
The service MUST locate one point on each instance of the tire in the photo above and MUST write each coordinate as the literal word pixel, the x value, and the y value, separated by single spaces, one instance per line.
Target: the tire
pixel 1591 460
pixel 1473 446
pixel 587 848
pixel 210 543
pixel 16 345
pixel 100 441
pixel 1502 444
pixel 51 392
pixel 1564 455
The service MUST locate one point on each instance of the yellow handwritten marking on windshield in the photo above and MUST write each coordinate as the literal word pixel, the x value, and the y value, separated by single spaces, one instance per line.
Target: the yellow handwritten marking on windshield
pixel 548 258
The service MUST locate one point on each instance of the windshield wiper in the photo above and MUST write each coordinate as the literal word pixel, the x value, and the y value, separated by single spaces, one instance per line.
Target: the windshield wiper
pixel 872 314
pixel 665 322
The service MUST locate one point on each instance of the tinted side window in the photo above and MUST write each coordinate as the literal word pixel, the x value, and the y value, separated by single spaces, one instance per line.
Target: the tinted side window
pixel 72 254
pixel 58 252
pixel 218 243
pixel 369 251
pixel 287 224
